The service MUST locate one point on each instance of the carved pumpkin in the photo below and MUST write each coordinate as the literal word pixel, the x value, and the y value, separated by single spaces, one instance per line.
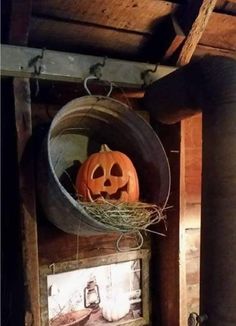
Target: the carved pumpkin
pixel 109 175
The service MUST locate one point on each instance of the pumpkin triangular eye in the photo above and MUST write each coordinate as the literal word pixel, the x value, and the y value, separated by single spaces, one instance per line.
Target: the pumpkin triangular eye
pixel 98 172
pixel 116 170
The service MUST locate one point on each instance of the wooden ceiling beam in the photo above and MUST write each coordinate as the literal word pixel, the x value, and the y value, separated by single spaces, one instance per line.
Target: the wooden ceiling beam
pixel 129 15
pixel 220 32
pixel 196 31
pixel 176 41
pixel 202 50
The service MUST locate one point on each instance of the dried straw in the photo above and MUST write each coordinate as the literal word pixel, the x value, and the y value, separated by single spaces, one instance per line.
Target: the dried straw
pixel 126 217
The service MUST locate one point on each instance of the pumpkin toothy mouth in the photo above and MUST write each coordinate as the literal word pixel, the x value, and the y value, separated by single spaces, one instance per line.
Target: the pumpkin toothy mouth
pixel 104 194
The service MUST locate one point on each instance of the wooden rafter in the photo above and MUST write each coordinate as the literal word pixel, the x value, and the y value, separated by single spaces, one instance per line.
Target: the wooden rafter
pixel 176 42
pixel 196 31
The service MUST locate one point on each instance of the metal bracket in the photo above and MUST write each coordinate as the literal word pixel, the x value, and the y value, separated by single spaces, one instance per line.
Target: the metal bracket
pixel 74 67
pixel 145 76
pixel 96 69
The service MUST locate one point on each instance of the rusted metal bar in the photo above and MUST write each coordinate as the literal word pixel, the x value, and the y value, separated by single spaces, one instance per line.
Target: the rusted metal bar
pixel 18 62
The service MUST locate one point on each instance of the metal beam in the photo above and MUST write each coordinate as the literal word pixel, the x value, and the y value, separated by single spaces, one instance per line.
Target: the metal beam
pixel 21 62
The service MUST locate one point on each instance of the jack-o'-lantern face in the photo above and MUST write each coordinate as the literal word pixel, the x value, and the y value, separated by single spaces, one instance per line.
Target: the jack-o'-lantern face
pixel 108 175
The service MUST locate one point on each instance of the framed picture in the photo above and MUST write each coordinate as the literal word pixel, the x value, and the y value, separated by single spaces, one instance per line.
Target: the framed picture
pixel 105 290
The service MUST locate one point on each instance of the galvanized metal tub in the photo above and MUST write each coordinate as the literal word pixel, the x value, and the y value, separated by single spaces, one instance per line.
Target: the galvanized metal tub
pixel 77 131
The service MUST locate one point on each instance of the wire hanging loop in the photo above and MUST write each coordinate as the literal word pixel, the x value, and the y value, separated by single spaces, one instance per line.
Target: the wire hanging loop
pixel 94 77
pixel 138 239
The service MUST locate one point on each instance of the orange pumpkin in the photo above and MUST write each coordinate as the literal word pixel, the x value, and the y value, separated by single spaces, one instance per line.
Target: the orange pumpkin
pixel 108 175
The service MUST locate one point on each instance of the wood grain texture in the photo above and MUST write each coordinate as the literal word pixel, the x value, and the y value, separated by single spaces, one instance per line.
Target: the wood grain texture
pixel 176 42
pixel 223 3
pixel 27 198
pixel 165 251
pixel 192 163
pixel 227 7
pixel 191 156
pixel 49 33
pixel 57 246
pixel 127 28
pixel 129 15
pixel 193 268
pixel 220 32
pixel 196 32
pixel 19 21
pixel 203 50
pixel 19 31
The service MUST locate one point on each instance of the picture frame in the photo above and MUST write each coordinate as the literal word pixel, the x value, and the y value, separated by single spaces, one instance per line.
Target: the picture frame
pixel 106 290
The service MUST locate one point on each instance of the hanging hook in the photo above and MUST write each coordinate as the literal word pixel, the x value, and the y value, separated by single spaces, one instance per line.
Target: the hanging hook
pixel 52 267
pixel 96 69
pixel 145 75
pixel 36 62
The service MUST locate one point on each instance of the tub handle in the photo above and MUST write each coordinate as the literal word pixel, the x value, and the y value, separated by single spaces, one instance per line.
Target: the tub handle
pixel 138 237
pixel 94 77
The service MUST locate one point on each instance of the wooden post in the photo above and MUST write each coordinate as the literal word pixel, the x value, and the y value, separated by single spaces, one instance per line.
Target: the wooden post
pixel 19 30
pixel 189 47
pixel 165 269
pixel 27 200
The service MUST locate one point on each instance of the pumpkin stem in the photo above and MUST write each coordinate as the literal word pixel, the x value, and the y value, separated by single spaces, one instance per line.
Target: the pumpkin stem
pixel 105 148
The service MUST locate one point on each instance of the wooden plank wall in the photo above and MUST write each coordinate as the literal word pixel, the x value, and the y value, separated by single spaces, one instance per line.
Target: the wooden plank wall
pixel 192 157
pixel 165 273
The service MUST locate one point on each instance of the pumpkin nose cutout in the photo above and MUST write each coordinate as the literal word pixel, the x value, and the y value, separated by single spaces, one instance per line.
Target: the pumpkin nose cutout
pixel 107 183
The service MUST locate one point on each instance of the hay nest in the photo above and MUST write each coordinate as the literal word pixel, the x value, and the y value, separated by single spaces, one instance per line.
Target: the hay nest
pixel 127 217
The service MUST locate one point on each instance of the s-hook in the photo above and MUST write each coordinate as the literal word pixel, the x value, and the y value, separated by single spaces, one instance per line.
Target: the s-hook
pixel 96 73
pixel 36 62
pixel 145 76
pixel 96 70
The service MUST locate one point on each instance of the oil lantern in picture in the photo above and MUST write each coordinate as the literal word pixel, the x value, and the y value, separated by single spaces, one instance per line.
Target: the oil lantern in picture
pixel 91 295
